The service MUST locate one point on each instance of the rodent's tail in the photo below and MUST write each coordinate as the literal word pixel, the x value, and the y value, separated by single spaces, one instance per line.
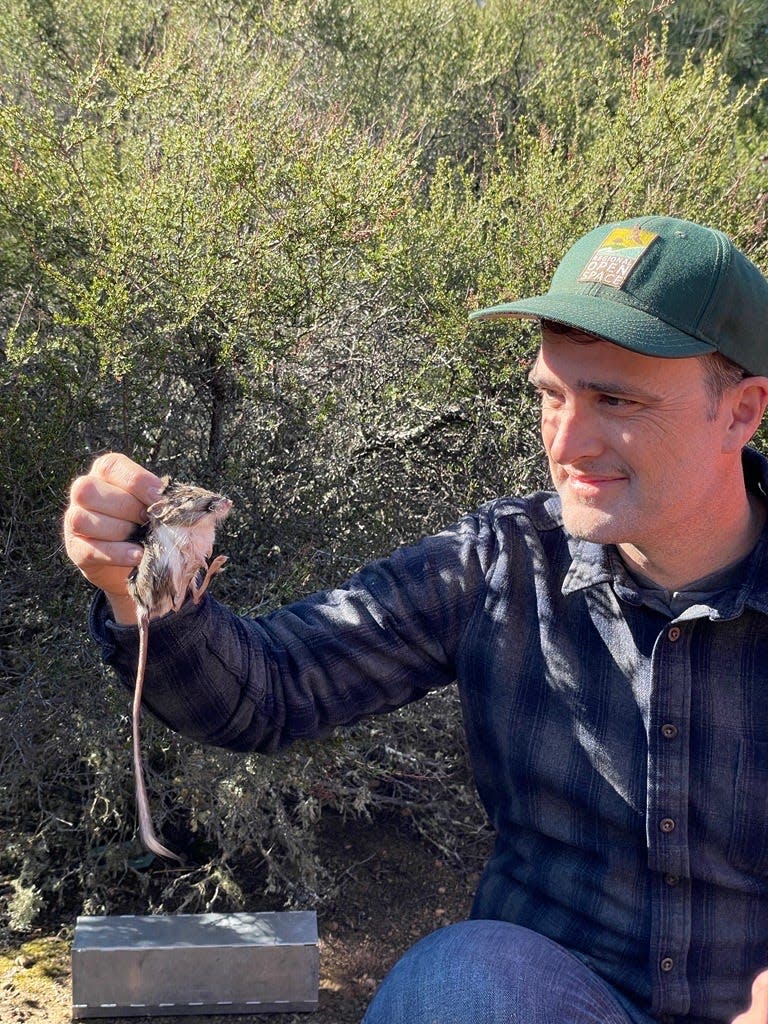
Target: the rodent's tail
pixel 146 828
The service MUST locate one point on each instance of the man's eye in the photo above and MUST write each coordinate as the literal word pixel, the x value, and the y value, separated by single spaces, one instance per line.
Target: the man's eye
pixel 615 401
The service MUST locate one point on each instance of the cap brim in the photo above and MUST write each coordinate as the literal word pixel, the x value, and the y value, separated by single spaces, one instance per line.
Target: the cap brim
pixel 621 323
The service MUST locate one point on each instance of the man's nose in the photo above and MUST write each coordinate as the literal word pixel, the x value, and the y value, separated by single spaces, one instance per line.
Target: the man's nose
pixel 571 434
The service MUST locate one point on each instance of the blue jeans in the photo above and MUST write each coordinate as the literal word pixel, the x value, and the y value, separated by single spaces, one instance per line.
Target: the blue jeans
pixel 493 972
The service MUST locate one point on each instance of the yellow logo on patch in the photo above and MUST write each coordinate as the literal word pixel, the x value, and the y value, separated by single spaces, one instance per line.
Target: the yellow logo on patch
pixel 613 260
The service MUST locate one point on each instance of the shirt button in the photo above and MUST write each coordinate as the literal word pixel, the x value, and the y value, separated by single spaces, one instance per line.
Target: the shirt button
pixel 666 963
pixel 673 633
pixel 672 879
pixel 669 731
pixel 667 825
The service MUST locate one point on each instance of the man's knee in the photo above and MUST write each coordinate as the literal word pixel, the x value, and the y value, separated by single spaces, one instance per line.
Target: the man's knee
pixel 491 972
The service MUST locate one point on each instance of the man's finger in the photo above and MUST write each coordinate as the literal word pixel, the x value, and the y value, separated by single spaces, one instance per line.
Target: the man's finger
pixel 96 495
pixel 758 1010
pixel 119 471
pixel 81 522
pixel 88 553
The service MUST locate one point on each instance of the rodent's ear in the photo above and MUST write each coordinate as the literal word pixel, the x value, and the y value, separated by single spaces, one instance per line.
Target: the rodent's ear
pixel 166 480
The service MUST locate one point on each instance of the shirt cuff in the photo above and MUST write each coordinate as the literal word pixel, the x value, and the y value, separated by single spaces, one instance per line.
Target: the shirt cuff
pixel 119 644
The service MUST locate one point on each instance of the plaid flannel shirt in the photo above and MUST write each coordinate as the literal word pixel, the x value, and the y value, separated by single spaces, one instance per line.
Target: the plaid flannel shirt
pixel 622 755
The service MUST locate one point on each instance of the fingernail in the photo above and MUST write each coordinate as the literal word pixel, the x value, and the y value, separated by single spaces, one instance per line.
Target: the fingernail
pixel 135 554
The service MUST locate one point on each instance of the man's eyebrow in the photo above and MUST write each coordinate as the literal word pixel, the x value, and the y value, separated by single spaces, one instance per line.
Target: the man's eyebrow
pixel 603 387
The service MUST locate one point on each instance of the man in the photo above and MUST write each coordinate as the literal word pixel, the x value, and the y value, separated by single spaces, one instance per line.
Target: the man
pixel 610 644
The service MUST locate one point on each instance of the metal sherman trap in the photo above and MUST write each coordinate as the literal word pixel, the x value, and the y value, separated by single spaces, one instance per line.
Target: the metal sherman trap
pixel 129 966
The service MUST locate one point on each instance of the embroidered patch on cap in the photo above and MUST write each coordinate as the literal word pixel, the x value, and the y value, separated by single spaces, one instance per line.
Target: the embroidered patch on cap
pixel 617 254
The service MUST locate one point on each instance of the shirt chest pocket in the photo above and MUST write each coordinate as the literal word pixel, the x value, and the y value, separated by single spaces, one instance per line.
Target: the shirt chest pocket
pixel 748 849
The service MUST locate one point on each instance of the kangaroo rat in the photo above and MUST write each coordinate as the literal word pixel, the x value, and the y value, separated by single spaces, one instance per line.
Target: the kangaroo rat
pixel 178 541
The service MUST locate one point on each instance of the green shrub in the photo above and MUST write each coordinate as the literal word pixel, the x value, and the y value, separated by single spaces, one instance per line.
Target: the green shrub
pixel 240 242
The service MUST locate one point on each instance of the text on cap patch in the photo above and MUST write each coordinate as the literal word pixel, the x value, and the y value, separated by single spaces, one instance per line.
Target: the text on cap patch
pixel 612 262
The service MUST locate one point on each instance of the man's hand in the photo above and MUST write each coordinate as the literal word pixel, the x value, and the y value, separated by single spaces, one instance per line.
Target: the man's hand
pixel 105 506
pixel 758 1011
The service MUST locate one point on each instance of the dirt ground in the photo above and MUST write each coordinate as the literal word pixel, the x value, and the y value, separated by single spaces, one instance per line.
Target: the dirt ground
pixel 395 891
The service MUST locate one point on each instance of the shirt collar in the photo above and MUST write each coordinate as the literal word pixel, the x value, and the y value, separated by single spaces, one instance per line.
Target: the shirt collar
pixel 596 564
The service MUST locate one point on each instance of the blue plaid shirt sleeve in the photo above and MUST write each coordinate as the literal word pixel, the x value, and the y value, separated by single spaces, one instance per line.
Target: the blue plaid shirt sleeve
pixel 381 640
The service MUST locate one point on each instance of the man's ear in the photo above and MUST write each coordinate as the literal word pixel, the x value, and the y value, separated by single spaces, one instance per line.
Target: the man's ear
pixel 745 404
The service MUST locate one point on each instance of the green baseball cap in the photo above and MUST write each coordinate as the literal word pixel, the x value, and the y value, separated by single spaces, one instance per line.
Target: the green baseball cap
pixel 659 286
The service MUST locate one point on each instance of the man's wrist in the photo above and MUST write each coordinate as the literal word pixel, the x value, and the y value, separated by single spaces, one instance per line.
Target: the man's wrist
pixel 123 609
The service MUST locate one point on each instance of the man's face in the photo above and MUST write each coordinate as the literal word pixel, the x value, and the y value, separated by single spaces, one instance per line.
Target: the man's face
pixel 631 449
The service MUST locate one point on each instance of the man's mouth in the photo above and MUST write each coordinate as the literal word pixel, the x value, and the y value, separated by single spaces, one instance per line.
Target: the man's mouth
pixel 591 484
